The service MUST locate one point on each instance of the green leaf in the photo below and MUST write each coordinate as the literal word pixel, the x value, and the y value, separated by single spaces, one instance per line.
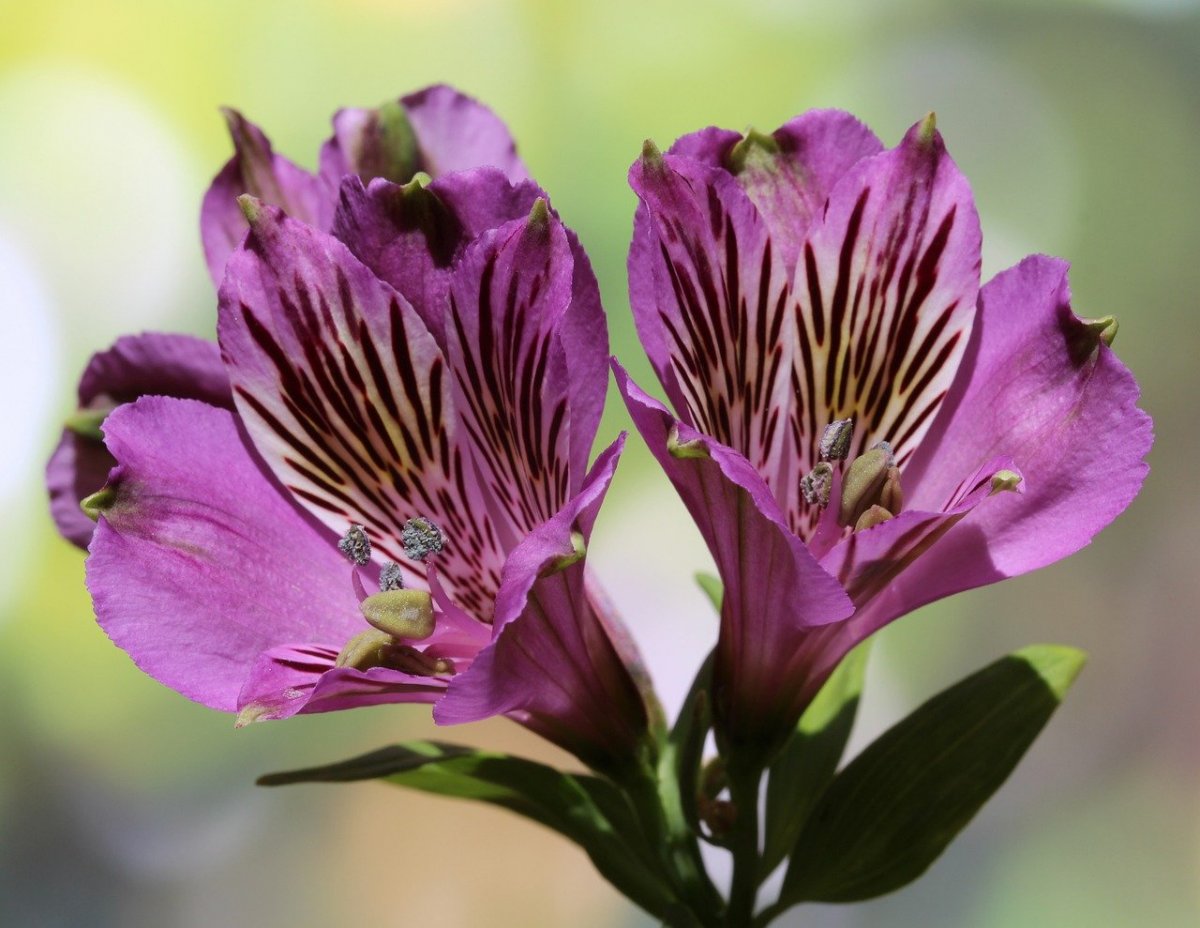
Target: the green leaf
pixel 713 588
pixel 896 806
pixel 806 764
pixel 589 811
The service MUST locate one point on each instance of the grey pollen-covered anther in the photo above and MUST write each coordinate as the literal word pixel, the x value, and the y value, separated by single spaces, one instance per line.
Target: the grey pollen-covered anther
pixel 421 538
pixel 817 484
pixel 356 545
pixel 390 577
pixel 835 440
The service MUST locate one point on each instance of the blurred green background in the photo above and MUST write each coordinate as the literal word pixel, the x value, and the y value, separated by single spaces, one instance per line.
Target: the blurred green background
pixel 1078 124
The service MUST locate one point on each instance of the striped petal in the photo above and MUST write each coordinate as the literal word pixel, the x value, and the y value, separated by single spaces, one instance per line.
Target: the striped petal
pixel 871 564
pixel 712 305
pixel 436 130
pixel 347 398
pixel 1039 385
pixel 552 664
pixel 886 289
pixel 200 561
pixel 255 169
pixel 520 370
pixel 757 667
pixel 301 678
pixel 411 236
pixel 790 173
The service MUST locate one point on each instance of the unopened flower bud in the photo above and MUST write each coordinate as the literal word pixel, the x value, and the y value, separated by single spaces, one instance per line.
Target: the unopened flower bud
pixel 863 480
pixel 835 440
pixel 421 538
pixel 356 545
pixel 816 485
pixel 405 614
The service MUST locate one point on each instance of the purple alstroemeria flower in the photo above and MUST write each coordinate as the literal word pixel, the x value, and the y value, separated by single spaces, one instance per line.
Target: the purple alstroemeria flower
pixel 424 382
pixel 435 131
pixel 859 429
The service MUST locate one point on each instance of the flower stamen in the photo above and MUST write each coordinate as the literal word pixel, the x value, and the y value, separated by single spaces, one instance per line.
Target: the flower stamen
pixel 421 538
pixel 356 545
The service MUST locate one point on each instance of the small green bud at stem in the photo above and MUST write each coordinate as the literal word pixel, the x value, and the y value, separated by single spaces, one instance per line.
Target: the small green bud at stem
pixel 404 614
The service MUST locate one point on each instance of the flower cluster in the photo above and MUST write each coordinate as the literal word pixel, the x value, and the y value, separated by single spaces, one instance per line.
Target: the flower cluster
pixel 375 486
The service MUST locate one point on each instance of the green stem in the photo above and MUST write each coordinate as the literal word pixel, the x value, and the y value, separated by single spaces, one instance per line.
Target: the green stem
pixel 743 844
pixel 679 850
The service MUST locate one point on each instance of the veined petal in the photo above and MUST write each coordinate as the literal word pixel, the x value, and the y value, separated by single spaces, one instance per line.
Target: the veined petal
pixel 873 564
pixel 347 398
pixel 886 288
pixel 712 305
pixel 302 678
pixel 756 670
pixel 255 169
pixel 515 385
pixel 446 131
pixel 200 562
pixel 1039 385
pixel 551 663
pixel 411 236
pixel 790 173
pixel 151 363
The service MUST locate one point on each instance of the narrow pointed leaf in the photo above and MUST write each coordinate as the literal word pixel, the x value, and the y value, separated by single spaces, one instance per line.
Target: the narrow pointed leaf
pixel 712 587
pixel 896 807
pixel 809 759
pixel 589 811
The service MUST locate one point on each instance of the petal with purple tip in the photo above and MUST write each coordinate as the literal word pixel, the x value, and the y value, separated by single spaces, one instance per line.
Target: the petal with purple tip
pixel 758 678
pixel 302 678
pixel 1039 385
pixel 436 130
pixel 200 562
pixel 515 385
pixel 552 664
pixel 411 236
pixel 255 169
pixel 713 307
pixel 347 398
pixel 887 284
pixel 151 363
